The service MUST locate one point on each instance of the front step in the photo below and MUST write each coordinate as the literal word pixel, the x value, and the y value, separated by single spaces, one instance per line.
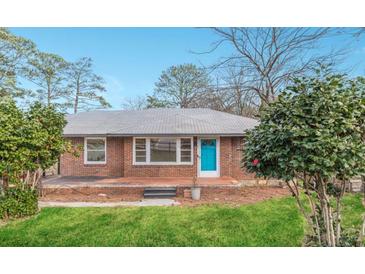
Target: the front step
pixel 159 192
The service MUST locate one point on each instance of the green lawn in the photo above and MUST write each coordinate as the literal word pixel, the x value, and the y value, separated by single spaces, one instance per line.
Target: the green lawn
pixel 270 223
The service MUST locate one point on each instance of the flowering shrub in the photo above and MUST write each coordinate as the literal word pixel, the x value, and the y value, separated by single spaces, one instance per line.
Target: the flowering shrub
pixel 312 137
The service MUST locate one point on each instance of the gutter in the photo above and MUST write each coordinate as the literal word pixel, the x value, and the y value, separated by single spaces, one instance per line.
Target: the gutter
pixel 155 135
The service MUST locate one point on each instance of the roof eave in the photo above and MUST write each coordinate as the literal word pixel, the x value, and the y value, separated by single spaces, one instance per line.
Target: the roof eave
pixel 155 135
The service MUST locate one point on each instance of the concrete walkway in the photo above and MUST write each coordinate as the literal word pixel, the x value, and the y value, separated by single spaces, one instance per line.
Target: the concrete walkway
pixel 146 202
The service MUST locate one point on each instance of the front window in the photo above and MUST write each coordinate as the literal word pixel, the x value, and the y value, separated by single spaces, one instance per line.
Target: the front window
pixel 185 153
pixel 140 150
pixel 95 150
pixel 163 150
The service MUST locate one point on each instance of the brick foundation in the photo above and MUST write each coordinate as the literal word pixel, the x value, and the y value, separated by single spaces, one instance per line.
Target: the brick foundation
pixel 92 193
pixel 114 193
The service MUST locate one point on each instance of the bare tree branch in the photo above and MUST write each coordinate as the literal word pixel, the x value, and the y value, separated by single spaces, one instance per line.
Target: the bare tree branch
pixel 273 56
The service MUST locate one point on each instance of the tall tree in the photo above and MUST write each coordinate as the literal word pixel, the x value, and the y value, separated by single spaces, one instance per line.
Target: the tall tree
pixel 47 71
pixel 14 54
pixel 85 87
pixel 154 102
pixel 180 86
pixel 135 103
pixel 232 94
pixel 273 56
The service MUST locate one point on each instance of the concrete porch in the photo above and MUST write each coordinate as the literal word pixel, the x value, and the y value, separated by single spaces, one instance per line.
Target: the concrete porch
pixel 96 181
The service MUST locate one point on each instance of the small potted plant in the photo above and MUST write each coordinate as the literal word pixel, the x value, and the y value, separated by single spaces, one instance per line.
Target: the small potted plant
pixel 195 190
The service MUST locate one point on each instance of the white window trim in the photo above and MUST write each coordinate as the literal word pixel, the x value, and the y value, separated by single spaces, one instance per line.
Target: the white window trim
pixel 135 150
pixel 148 152
pixel 86 162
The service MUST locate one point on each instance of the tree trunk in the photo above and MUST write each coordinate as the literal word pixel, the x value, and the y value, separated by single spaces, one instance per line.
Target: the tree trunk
pixel 308 194
pixel 5 182
pixel 338 221
pixel 331 225
pixel 76 104
pixel 338 212
pixel 49 94
pixel 327 214
pixel 315 216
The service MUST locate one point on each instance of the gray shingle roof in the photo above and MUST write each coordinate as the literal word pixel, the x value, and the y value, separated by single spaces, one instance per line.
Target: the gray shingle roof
pixel 197 121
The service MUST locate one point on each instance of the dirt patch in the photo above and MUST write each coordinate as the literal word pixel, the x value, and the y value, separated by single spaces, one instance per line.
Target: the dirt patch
pixel 92 194
pixel 245 195
pixel 242 195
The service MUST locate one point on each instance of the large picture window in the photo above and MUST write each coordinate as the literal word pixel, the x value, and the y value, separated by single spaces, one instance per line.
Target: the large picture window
pixel 163 150
pixel 95 151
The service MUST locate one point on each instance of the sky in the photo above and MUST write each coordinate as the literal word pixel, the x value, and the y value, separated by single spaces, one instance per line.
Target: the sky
pixel 131 59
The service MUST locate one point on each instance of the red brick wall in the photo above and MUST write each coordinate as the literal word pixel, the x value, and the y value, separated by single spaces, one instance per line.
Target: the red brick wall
pixel 236 158
pixel 72 166
pixel 120 161
pixel 225 156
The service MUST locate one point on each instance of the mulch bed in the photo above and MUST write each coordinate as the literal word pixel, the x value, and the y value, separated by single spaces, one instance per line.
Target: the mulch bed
pixel 244 195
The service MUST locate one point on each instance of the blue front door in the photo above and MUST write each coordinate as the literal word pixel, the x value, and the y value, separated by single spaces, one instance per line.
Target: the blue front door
pixel 208 148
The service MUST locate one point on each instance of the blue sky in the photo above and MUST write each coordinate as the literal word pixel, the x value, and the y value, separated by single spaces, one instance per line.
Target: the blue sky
pixel 131 59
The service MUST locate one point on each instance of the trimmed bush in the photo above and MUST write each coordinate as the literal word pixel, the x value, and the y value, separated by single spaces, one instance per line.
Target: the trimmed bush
pixel 16 203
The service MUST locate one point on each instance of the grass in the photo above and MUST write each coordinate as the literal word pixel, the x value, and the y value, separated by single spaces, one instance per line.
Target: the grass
pixel 353 210
pixel 276 222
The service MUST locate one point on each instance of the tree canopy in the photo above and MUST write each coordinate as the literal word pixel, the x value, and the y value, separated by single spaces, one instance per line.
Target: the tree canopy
pixel 85 88
pixel 180 86
pixel 30 140
pixel 53 79
pixel 315 126
pixel 48 72
pixel 15 52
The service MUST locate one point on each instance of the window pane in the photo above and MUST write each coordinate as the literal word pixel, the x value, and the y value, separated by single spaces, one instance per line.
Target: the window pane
pixel 185 159
pixel 185 150
pixel 163 150
pixel 185 144
pixel 141 153
pixel 140 156
pixel 96 156
pixel 186 156
pixel 140 144
pixel 141 159
pixel 140 150
pixel 95 144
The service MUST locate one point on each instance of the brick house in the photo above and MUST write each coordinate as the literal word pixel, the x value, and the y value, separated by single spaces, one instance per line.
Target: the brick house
pixel 156 143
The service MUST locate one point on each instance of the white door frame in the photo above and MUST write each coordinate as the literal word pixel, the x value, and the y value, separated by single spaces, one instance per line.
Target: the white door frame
pixel 215 173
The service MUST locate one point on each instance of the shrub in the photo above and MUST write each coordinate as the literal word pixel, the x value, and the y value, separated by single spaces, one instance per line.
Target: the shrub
pixel 312 137
pixel 17 202
pixel 30 141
